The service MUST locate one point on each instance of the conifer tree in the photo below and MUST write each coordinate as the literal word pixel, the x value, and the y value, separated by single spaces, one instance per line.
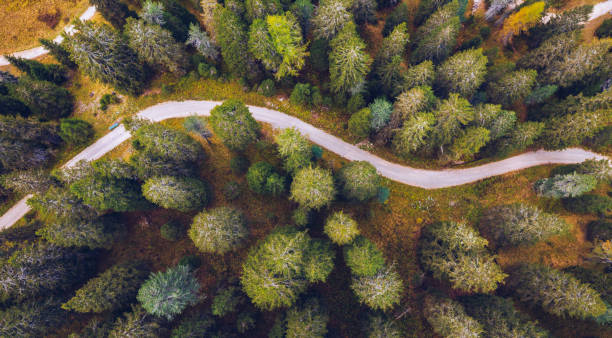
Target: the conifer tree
pixel 294 148
pixel 359 181
pixel 231 35
pixel 463 72
pixel 562 186
pixel 202 42
pixel 497 121
pixel 309 320
pixel 219 230
pixel 521 21
pixel 341 228
pixel 233 123
pixel 348 61
pixel 313 188
pixel 413 134
pixel 381 291
pixel 448 318
pixel 451 116
pixel 330 18
pixel 436 38
pixel 183 194
pixel 136 323
pixel 33 318
pixel 114 11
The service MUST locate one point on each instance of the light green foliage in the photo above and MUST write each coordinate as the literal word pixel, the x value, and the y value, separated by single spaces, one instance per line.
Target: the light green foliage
pixel 499 318
pixel 294 148
pixel 313 188
pixel 382 327
pixel 557 292
pixel 308 320
pixel 349 63
pixel 274 273
pixel 550 51
pixel 381 291
pixel 200 40
pixel 135 324
pixel 412 135
pixel 513 87
pixel 463 72
pixel 571 129
pixel 437 37
pixel 168 144
pixel 580 63
pixel 451 115
pixel 28 181
pixel 600 169
pixel 75 131
pixel 263 179
pixel 517 224
pixel 180 193
pixel 156 46
pixel 108 192
pixel 522 136
pixel 259 9
pixel 341 228
pixel 359 180
pixel 61 204
pixel 286 36
pixel 469 143
pixel 413 101
pixel 387 65
pixel 499 122
pixel 363 257
pixel 330 17
pixel 167 294
pixel 448 318
pixel 561 186
pixel 233 123
pixel 381 110
pixel 456 252
pixel 153 12
pixel 422 74
pixel 360 123
pixel 231 35
pixel 226 300
pixel 111 290
pixel 219 230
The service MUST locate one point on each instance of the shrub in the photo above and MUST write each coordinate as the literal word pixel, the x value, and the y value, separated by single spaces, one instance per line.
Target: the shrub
pixel 562 186
pixel 355 103
pixel 605 29
pixel 108 99
pixel 171 231
pixel 589 204
pixel 267 88
pixel 263 179
pixel 306 95
pixel 313 188
pixel 340 228
pixel 360 123
pixel 359 180
pixel 231 190
pixel 219 230
pixel 363 257
pixel 207 71
pixel 167 294
pixel 75 131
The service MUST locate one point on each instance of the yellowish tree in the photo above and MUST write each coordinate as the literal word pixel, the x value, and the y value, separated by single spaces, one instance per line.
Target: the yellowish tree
pixel 521 21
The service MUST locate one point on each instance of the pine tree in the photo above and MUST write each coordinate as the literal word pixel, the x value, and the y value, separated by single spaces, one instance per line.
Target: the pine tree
pixel 153 12
pixel 448 318
pixel 420 75
pixel 469 143
pixel 108 192
pixel 452 114
pixel 550 51
pixel 359 181
pixel 156 46
pixel 233 123
pixel 104 55
pixel 219 230
pixel 520 21
pixel 38 71
pixel 170 145
pixel 81 232
pixel 567 21
pixel 387 65
pixel 313 188
pixel 195 325
pixel 231 36
pixel 562 186
pixel 517 224
pixel 380 114
pixel 497 121
pixel 364 258
pixel 330 18
pixel 167 294
pixel 413 134
pixel 436 38
pixel 348 61
pixel 381 291
pixel 557 292
pixel 43 98
pixel 381 327
pixel 463 72
pixel 521 137
pixel 114 11
pixel 34 318
pixel 308 320
pixel 364 11
pixel 28 181
pixel 226 301
pixel 260 9
pixel 262 178
pixel 341 228
pixel 204 44
pixel 294 148
pixel 136 323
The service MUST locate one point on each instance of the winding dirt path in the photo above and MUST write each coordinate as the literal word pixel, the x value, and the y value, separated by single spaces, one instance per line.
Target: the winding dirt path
pixel 428 179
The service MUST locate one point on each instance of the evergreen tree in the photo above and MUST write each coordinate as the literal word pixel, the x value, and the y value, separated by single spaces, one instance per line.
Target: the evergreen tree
pixel 43 98
pixel 259 9
pixel 226 301
pixel 34 318
pixel 436 38
pixel 204 44
pixel 452 114
pixel 456 252
pixel 420 75
pixel 400 14
pixel 108 192
pixel 381 327
pixel 521 20
pixel 448 318
pixel 104 55
pixel 153 12
pixel 81 232
pixel 364 11
pixel 194 326
pixel 517 224
pixel 231 36
pixel 359 181
pixel 330 18
pixel 167 294
pixel 38 71
pixel 313 188
pixel 469 143
pixel 111 290
pixel 600 169
pixel 308 320
pixel 136 323
pixel 294 148
pixel 262 178
pixel 341 228
pixel 364 258
pixel 381 291
pixel 12 107
pixel 380 114
pixel 278 270
pixel 219 230
pixel 387 65
pixel 521 137
pixel 406 106
pixel 183 194
pixel 557 292
pixel 156 46
pixel 168 145
pixel 303 10
pixel 568 21
pixel 348 61
pixel 413 134
pixel 61 204
pixel 28 181
pixel 233 123
pixel 463 72
pixel 26 136
pixel 360 123
pixel 551 51
pixel 497 121
pixel 562 186
pixel 75 131
pixel 114 11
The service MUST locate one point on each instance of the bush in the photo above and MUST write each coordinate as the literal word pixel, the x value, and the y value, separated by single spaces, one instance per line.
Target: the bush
pixel 383 195
pixel 562 186
pixel 191 261
pixel 171 231
pixel 231 190
pixel 306 95
pixel 355 103
pixel 589 204
pixel 239 164
pixel 263 179
pixel 108 99
pixel 75 131
pixel 267 88
pixel 207 71
pixel 605 29
pixel 363 257
pixel 360 123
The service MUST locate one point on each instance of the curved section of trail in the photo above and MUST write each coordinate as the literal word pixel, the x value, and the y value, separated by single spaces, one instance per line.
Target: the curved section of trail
pixel 428 179
pixel 39 51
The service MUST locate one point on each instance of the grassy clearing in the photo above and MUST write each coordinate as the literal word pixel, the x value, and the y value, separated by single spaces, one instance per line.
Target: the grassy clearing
pixel 23 22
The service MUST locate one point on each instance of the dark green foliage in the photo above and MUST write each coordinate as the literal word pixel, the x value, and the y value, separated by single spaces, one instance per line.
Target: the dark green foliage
pixel 301 217
pixel 104 54
pixel 197 325
pixel 226 301
pixel 605 29
pixel 239 164
pixel 485 32
pixel 219 230
pixel 231 190
pixel 280 268
pixel 499 317
pixel 59 52
pixel 11 106
pixel 557 292
pixel 603 138
pixel 601 281
pixel 589 204
pixel 262 178
pixel 600 230
pixel 171 231
pixel 233 123
pixel 34 318
pixel 319 55
pixel 267 88
pixel 82 232
pixel 192 261
pixel 75 131
pixel 177 19
pixel 541 94
pixel 400 14
pixel 563 186
pixel 43 98
pixel 38 71
pixel 317 152
pixel 245 322
pixel 306 95
pixel 113 289
pixel 359 180
pixel 114 11
pixel 363 257
pixel 105 193
pixel 180 193
pixel 61 204
pixel 383 195
pixel 231 35
pixel 167 294
pixel 360 123
pixel 108 99
pixel 438 36
pixel 303 10
pixel 425 9
pixel 567 21
pixel 207 71
pixel 135 324
pixel 448 318
pixel 307 320
pixel 355 103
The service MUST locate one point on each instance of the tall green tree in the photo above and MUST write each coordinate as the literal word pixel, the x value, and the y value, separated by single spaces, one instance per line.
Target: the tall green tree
pixel 363 257
pixel 233 123
pixel 449 319
pixel 341 228
pixel 463 72
pixel 380 326
pixel 75 131
pixel 382 291
pixel 103 54
pixel 202 42
pixel 59 52
pixel 330 18
pixel 38 71
pixel 114 11
pixel 313 188
pixel 43 98
pixel 497 121
pixel 88 232
pixel 422 74
pixel 349 63
pixel 136 323
pixel 359 180
pixel 413 134
pixel 513 87
pixel 309 319
pixel 262 178
pixel 107 192
pixel 469 143
pixel 294 148
pixel 259 9
pixel 451 116
pixel 562 186
pixel 183 194
pixel 572 129
pixel 436 38
pixel 407 105
pixel 231 35
pixel 387 66
pixel 34 318
pixel 219 230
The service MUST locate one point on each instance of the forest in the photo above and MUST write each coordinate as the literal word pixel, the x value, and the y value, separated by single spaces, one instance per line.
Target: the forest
pixel 223 226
